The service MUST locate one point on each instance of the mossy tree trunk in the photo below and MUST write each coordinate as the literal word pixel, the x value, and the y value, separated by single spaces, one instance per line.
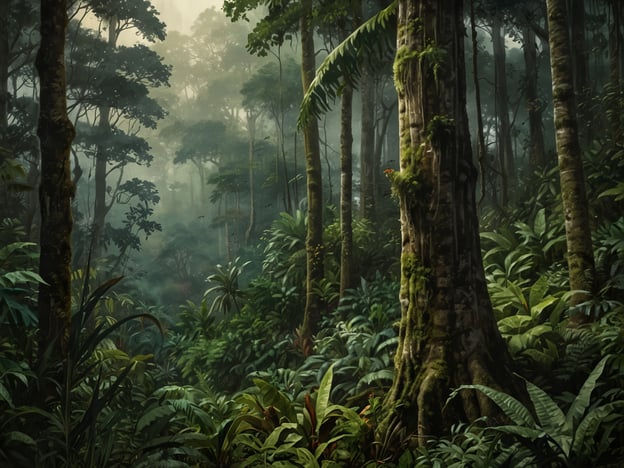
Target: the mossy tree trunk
pixel 56 190
pixel 447 335
pixel 346 191
pixel 314 237
pixel 367 143
pixel 577 226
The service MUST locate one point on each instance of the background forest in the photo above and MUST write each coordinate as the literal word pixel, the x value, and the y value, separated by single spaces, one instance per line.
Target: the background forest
pixel 241 275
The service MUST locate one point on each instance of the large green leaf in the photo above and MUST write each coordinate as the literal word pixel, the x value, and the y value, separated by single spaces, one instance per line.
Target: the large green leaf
pixel 322 395
pixel 538 291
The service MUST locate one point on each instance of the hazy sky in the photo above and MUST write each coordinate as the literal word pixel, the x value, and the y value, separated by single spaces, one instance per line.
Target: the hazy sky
pixel 180 14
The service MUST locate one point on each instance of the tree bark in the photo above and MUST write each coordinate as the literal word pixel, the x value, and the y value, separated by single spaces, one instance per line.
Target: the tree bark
pixel 447 335
pixel 481 150
pixel 4 67
pixel 367 144
pixel 505 150
pixel 581 67
pixel 537 156
pixel 578 235
pixel 56 190
pixel 346 189
pixel 314 183
pixel 615 49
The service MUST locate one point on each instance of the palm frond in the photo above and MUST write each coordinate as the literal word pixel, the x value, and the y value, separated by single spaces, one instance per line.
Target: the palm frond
pixel 343 64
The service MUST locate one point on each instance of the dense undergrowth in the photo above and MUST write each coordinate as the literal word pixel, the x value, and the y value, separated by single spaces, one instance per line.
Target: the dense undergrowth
pixel 226 381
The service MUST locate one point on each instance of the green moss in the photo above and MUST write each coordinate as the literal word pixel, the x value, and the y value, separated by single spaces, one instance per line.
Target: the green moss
pixel 439 128
pixel 402 61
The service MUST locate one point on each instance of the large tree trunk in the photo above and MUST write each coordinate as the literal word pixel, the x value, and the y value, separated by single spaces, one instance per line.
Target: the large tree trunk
pixel 447 335
pixel 314 237
pixel 577 225
pixel 346 182
pixel 56 134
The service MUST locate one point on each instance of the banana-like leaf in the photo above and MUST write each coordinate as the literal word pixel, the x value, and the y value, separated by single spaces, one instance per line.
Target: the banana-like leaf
pixel 322 396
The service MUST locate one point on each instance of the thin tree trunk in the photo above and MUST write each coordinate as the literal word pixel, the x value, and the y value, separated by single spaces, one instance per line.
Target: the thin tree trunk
pixel 346 182
pixel 581 66
pixel 537 157
pixel 447 335
pixel 505 150
pixel 4 68
pixel 251 135
pixel 367 143
pixel 56 190
pixel 614 112
pixel 314 237
pixel 481 151
pixel 577 226
pixel 101 208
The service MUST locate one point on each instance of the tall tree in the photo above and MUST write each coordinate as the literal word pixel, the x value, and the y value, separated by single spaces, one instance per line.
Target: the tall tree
pixel 578 235
pixel 346 190
pixel 447 335
pixel 314 184
pixel 56 133
pixel 537 156
pixel 4 67
pixel 503 128
pixel 110 85
pixel 282 19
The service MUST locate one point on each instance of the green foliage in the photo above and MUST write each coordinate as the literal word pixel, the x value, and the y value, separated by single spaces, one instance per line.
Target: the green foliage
pixel 582 435
pixel 226 292
pixel 285 247
pixel 343 64
pixel 468 445
pixel 273 429
pixel 531 318
pixel 256 339
pixel 17 278
pixel 528 249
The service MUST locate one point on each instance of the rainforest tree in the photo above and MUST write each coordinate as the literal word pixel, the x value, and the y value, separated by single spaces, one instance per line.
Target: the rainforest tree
pixel 578 235
pixel 447 334
pixel 56 190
